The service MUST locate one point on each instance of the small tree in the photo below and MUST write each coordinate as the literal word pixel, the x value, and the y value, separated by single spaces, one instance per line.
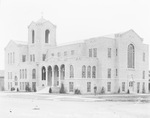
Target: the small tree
pixel 143 90
pixel 34 89
pixel 62 89
pixel 119 90
pixel 50 90
pixel 77 91
pixel 128 92
pixel 103 90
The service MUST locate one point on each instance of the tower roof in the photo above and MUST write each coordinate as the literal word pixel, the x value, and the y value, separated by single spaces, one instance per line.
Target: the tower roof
pixel 41 20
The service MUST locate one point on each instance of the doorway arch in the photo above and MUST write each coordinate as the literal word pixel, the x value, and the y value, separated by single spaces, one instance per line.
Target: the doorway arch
pixel 56 75
pixel 62 72
pixel 49 75
pixel 43 73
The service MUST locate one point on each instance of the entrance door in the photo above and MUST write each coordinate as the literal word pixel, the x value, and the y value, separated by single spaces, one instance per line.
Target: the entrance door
pixel 131 87
pixel 34 86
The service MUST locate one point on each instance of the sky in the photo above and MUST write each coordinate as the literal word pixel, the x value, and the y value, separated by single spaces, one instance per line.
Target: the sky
pixel 75 19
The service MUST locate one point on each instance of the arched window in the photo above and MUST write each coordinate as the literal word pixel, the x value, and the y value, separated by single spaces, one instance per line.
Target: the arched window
pixel 43 73
pixel 131 56
pixel 89 72
pixel 84 71
pixel 23 73
pixel 33 36
pixel 62 72
pixel 71 72
pixel 47 32
pixel 94 72
pixel 33 74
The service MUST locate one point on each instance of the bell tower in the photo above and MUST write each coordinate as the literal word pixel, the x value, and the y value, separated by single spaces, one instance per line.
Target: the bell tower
pixel 42 32
pixel 41 37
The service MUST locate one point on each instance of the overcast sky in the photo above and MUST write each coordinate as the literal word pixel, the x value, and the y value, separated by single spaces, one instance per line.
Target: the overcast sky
pixel 75 19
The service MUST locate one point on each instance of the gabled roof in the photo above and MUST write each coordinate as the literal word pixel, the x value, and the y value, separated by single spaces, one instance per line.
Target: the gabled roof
pixel 2 73
pixel 122 33
pixel 17 43
pixel 41 21
pixel 20 42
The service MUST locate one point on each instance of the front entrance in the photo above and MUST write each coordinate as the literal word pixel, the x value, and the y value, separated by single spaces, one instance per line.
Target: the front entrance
pixel 131 87
pixel 34 86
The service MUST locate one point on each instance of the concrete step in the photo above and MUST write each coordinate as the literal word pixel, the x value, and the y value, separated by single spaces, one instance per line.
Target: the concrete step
pixel 46 90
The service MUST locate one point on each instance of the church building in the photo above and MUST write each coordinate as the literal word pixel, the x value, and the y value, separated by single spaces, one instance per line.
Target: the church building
pixel 113 63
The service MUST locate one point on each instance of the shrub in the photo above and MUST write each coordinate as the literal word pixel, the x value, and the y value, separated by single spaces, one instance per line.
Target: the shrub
pixel 62 89
pixel 34 89
pixel 12 88
pixel 77 91
pixel 17 89
pixel 50 90
pixel 119 90
pixel 128 92
pixel 103 90
pixel 27 88
pixel 3 89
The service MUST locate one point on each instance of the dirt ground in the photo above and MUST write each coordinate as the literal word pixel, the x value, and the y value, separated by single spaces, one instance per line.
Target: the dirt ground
pixel 23 105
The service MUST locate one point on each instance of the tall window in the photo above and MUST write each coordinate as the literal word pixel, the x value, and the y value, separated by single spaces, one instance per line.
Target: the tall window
pixel 47 32
pixel 70 86
pixel 44 57
pixel 33 74
pixel 8 75
pixel 8 58
pixel 23 58
pixel 116 72
pixel 58 54
pixel 109 73
pixel 33 58
pixel 88 86
pixel 32 36
pixel 84 71
pixel 72 52
pixel 95 52
pixel 123 86
pixel 65 53
pixel 138 87
pixel 94 72
pixel 71 72
pixel 89 72
pixel 13 57
pixel 109 52
pixel 131 56
pixel 25 73
pixel 143 56
pixel 20 73
pixel 90 52
pixel 108 86
pixel 143 74
pixel 43 73
pixel 116 52
pixel 143 89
